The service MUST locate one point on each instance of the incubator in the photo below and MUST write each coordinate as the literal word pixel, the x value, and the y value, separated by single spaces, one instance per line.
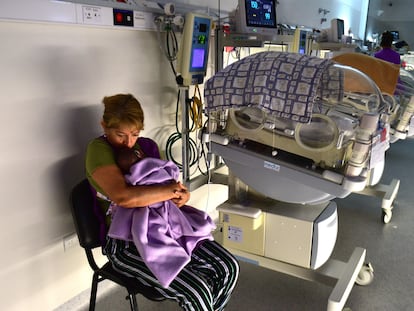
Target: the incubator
pixel 396 85
pixel 296 132
pixel 402 123
pixel 327 121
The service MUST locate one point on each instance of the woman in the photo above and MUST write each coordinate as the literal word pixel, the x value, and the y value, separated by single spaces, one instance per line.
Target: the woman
pixel 205 283
pixel 387 53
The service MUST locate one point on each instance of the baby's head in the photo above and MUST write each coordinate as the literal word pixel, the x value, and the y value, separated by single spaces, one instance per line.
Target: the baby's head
pixel 126 157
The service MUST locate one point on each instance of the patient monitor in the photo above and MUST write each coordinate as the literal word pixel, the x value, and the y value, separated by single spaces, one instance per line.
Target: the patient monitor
pixel 193 52
pixel 256 17
pixel 295 132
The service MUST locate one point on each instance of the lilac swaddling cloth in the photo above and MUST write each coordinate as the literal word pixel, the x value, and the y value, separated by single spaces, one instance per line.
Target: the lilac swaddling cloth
pixel 164 234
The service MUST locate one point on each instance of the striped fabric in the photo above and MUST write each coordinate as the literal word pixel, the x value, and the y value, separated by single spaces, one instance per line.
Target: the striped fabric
pixel 205 284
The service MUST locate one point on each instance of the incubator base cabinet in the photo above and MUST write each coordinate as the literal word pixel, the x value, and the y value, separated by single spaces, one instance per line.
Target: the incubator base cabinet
pixel 339 274
pixel 296 240
pixel 294 233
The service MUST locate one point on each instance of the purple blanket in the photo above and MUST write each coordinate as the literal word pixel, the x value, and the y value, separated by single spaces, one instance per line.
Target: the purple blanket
pixel 164 234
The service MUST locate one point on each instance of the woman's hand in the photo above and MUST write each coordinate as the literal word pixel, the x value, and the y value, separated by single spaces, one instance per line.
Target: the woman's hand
pixel 182 195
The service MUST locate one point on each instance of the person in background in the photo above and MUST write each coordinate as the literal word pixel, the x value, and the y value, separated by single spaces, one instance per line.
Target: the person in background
pixel 207 281
pixel 387 53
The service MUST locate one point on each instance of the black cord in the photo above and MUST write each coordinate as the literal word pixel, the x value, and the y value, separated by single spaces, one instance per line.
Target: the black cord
pixel 177 136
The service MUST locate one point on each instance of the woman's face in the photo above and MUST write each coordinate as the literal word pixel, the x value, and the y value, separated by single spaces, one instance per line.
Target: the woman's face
pixel 123 136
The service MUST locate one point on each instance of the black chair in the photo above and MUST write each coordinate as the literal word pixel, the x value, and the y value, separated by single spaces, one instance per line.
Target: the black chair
pixel 88 230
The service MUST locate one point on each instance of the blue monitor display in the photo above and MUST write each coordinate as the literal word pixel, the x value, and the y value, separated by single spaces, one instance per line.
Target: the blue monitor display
pixel 260 13
pixel 395 35
pixel 198 59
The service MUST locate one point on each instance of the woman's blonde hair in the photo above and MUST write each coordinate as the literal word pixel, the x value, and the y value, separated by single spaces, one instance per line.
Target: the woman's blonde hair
pixel 122 109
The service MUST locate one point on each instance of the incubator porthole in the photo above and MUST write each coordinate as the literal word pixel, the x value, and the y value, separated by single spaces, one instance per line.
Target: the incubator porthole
pixel 248 118
pixel 320 134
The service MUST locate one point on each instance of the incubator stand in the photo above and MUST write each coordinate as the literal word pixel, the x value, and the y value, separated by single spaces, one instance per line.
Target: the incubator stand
pixel 277 139
pixel 293 239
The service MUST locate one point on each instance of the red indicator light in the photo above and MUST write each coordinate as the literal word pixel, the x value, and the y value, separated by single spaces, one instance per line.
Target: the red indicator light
pixel 119 17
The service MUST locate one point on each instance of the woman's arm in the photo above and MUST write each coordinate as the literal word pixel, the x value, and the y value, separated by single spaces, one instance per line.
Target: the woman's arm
pixel 112 182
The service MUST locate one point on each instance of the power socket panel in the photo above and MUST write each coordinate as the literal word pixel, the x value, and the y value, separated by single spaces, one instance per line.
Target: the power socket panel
pixel 92 15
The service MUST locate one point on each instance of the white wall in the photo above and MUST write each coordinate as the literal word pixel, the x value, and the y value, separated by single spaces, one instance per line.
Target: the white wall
pixel 306 13
pixel 52 79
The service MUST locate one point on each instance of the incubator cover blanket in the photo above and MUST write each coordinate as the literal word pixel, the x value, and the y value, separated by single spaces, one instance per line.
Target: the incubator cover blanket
pixel 164 234
pixel 283 84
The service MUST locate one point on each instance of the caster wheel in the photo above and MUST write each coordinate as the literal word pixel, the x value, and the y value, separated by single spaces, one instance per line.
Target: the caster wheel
pixel 386 216
pixel 365 275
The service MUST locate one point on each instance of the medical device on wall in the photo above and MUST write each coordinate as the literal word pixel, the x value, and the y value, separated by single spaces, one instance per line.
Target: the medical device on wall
pixel 300 41
pixel 337 30
pixel 193 52
pixel 334 33
pixel 256 17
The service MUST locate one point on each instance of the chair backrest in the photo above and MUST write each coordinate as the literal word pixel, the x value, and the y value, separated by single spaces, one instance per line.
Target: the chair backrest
pixel 87 224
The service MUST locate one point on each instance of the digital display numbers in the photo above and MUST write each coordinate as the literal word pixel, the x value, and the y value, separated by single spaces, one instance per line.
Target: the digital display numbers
pixel 202 27
pixel 201 39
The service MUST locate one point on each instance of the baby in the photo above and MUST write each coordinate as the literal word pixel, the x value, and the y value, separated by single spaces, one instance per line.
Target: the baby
pixel 126 157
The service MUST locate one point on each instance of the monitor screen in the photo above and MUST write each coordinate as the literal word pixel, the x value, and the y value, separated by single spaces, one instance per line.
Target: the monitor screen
pixel 256 16
pixel 260 13
pixel 198 58
pixel 395 35
pixel 337 29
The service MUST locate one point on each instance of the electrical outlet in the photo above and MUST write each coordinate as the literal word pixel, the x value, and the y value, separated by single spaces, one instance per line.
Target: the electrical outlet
pixel 70 241
pixel 92 15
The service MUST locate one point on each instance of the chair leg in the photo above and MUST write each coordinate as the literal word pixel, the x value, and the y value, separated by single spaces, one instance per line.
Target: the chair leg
pixel 94 289
pixel 132 302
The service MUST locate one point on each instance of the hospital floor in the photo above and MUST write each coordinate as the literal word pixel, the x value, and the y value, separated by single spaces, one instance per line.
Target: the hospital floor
pixel 389 249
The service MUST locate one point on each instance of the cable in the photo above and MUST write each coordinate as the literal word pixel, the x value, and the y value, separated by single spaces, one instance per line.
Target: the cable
pixel 177 136
pixel 196 111
pixel 170 49
pixel 170 46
